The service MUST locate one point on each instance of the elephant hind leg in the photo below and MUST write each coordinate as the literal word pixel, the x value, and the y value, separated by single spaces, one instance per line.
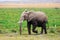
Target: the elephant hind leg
pixel 44 28
pixel 41 30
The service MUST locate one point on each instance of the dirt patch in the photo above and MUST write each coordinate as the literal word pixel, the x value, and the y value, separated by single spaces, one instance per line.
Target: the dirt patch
pixel 30 37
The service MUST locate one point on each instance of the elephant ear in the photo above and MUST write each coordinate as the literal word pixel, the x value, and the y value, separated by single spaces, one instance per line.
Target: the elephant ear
pixel 31 16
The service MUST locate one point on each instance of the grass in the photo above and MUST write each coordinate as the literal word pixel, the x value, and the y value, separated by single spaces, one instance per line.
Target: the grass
pixel 9 28
pixel 10 16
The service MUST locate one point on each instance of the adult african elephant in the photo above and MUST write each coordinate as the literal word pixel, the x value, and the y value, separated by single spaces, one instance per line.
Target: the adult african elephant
pixel 35 19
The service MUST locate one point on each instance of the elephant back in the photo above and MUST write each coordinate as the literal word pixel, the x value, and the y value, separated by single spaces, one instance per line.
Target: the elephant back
pixel 38 15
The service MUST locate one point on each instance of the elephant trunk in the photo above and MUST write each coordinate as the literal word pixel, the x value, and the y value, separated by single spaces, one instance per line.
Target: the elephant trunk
pixel 20 28
pixel 20 24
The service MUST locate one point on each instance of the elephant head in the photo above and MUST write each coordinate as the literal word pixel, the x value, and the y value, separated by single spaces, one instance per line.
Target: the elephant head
pixel 24 16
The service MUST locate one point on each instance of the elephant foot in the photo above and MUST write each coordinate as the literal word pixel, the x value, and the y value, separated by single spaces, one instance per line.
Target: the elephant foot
pixel 29 34
pixel 46 33
pixel 41 33
pixel 35 31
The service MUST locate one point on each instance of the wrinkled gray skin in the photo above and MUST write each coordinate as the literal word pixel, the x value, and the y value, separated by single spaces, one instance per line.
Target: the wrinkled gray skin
pixel 35 19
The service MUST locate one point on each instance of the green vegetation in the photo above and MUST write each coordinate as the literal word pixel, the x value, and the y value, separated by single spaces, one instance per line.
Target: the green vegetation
pixel 10 16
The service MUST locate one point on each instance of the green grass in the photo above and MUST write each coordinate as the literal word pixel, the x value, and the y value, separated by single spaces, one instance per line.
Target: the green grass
pixel 10 16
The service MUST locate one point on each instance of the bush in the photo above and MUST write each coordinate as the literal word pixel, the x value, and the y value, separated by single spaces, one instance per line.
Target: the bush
pixel 58 30
pixel 52 30
pixel 14 31
pixel 0 31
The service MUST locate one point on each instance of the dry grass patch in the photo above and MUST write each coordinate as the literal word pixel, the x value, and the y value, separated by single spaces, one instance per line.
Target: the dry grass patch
pixel 30 37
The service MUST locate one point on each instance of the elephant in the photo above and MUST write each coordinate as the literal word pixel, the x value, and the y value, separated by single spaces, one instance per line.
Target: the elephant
pixel 36 19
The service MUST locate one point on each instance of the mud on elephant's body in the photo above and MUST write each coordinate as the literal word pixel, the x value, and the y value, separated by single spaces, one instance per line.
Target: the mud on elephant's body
pixel 35 19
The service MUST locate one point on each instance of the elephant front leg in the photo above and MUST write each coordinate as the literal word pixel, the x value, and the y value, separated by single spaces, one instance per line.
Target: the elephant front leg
pixel 29 28
pixel 33 29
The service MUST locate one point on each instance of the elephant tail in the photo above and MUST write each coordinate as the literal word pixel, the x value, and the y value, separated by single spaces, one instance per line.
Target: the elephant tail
pixel 47 25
